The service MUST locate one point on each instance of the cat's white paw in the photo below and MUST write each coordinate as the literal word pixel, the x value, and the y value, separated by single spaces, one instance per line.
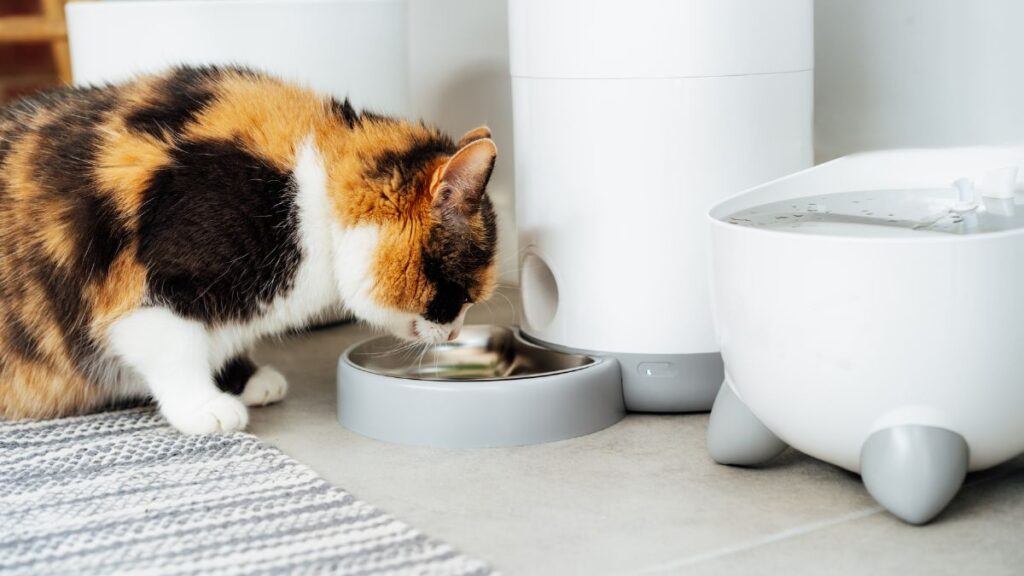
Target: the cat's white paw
pixel 221 413
pixel 264 387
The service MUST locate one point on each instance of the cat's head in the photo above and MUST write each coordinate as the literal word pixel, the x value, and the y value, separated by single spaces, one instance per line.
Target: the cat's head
pixel 424 250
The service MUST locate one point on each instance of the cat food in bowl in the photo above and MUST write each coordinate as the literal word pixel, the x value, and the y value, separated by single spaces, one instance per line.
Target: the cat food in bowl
pixel 489 387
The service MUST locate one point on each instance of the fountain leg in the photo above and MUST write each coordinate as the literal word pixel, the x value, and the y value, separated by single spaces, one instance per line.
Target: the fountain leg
pixel 914 471
pixel 736 436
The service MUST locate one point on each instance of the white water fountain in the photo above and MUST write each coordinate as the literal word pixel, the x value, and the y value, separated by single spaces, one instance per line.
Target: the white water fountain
pixel 871 313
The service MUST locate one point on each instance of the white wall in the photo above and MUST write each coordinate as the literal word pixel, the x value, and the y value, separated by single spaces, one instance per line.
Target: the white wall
pixel 333 47
pixel 460 80
pixel 899 73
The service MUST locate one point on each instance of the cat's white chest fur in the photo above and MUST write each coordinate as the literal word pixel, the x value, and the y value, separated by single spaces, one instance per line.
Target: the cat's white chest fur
pixel 315 287
pixel 175 358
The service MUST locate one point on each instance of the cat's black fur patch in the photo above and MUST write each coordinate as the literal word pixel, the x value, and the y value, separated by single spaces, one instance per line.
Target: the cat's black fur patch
pixel 25 108
pixel 410 162
pixel 449 297
pixel 218 232
pixel 99 233
pixel 452 263
pixel 183 95
pixel 66 153
pixel 69 309
pixel 371 116
pixel 12 129
pixel 21 339
pixel 344 111
pixel 235 374
pixel 69 144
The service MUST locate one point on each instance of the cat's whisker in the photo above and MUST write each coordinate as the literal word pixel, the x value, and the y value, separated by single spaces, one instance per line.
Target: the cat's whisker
pixel 418 347
pixel 490 310
pixel 513 257
pixel 512 307
pixel 397 349
pixel 423 352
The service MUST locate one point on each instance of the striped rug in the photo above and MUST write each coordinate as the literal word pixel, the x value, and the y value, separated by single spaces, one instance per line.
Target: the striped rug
pixel 122 492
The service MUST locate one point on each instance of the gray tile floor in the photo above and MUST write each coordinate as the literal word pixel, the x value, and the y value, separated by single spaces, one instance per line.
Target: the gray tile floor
pixel 641 497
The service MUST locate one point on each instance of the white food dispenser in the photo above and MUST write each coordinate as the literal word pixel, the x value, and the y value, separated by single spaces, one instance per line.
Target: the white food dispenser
pixel 871 313
pixel 631 119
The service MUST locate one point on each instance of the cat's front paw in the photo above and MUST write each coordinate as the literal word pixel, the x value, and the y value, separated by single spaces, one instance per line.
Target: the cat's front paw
pixel 264 387
pixel 221 413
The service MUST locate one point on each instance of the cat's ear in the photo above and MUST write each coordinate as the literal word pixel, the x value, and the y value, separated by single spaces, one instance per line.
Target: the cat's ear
pixel 478 133
pixel 463 179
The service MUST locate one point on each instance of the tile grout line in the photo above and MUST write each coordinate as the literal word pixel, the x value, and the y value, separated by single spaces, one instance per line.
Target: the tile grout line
pixel 761 541
pixel 793 532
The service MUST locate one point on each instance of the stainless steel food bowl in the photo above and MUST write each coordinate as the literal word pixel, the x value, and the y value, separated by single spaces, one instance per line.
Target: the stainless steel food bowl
pixel 480 353
pixel 487 388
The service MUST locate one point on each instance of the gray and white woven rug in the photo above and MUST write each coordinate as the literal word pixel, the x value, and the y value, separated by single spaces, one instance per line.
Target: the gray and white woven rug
pixel 122 492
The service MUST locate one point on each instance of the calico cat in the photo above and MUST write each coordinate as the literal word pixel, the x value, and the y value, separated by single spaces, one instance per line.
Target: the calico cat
pixel 152 232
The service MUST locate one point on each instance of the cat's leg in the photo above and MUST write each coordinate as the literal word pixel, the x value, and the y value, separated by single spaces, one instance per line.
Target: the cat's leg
pixel 256 386
pixel 236 372
pixel 172 354
pixel 266 386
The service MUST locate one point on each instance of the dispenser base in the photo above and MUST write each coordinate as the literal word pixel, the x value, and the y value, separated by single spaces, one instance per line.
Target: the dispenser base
pixel 661 382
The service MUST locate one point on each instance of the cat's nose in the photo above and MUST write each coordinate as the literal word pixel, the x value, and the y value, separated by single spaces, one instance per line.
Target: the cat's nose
pixel 454 333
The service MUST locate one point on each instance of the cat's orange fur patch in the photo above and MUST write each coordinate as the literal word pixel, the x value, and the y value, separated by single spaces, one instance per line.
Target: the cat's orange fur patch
pixel 54 236
pixel 37 391
pixel 403 285
pixel 30 210
pixel 488 284
pixel 18 172
pixel 125 163
pixel 358 200
pixel 269 117
pixel 121 292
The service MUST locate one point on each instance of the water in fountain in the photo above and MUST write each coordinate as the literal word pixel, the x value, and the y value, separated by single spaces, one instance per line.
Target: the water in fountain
pixel 885 213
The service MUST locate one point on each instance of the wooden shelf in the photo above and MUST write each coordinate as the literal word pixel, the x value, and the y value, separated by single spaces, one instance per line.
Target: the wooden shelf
pixel 47 27
pixel 31 29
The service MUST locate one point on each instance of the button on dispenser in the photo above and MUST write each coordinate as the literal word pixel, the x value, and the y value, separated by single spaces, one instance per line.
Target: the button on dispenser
pixel 657 369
